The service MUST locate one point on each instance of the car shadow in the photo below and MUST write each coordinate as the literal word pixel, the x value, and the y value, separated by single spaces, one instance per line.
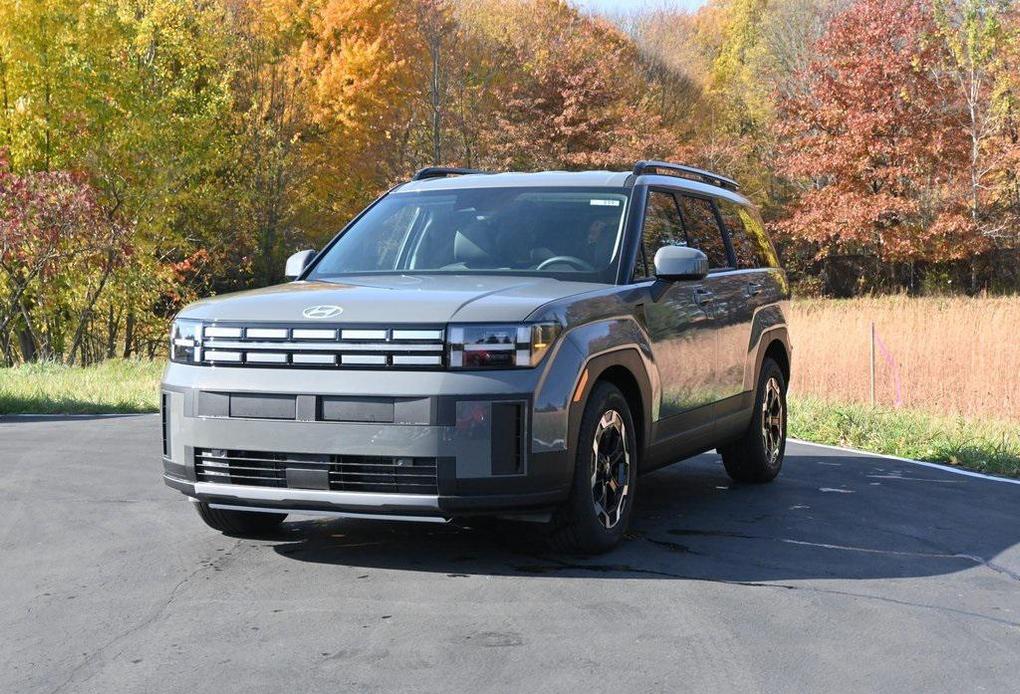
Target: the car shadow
pixel 827 516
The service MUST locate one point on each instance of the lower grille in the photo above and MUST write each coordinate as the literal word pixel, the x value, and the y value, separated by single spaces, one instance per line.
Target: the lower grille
pixel 346 473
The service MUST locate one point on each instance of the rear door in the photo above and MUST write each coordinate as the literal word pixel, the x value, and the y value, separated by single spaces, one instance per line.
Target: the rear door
pixel 744 290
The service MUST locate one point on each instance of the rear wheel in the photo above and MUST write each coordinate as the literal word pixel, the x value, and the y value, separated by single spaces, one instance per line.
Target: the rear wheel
pixel 598 511
pixel 758 456
pixel 239 523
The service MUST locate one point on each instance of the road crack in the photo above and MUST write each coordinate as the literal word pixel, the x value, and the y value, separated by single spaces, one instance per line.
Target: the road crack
pixel 210 564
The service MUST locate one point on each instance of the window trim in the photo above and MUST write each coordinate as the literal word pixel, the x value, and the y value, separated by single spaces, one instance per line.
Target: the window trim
pixel 636 226
pixel 643 250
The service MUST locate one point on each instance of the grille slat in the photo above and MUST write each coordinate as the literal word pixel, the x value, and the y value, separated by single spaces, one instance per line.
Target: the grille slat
pixel 331 346
pixel 348 475
pixel 345 473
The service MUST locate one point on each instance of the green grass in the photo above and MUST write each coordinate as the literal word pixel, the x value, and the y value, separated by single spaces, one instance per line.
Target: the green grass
pixel 985 445
pixel 118 385
pixel 132 386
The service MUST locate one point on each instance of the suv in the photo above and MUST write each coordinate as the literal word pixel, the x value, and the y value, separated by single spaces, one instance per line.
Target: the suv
pixel 519 345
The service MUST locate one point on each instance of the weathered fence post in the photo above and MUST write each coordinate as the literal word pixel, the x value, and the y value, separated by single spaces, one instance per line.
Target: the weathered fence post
pixel 872 363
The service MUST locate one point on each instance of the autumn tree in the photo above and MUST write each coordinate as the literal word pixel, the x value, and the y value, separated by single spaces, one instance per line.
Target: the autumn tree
pixel 51 225
pixel 572 95
pixel 356 60
pixel 269 124
pixel 871 143
pixel 133 96
pixel 977 72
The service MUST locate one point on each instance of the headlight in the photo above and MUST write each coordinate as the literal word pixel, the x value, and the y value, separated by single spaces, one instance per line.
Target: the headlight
pixel 499 346
pixel 186 341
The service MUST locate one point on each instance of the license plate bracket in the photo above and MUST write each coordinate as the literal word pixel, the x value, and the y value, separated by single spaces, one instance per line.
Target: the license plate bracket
pixel 306 478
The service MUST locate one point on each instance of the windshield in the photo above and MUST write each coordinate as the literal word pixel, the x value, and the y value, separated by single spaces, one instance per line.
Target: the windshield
pixel 568 233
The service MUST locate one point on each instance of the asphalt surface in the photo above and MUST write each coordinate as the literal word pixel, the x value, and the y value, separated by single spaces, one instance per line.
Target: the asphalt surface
pixel 849 573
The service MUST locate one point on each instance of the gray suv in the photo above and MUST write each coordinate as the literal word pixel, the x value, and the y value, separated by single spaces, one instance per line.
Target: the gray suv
pixel 518 345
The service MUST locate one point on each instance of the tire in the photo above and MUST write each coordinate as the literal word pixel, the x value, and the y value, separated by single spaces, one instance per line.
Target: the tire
pixel 597 513
pixel 239 523
pixel 758 456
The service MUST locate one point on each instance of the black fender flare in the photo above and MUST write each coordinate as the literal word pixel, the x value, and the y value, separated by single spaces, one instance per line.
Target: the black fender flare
pixel 628 357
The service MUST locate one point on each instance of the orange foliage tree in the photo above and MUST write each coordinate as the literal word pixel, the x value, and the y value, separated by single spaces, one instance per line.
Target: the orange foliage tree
pixel 872 142
pixel 572 95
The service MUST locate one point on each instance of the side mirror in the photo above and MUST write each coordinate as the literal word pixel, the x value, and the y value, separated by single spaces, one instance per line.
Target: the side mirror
pixel 297 263
pixel 676 263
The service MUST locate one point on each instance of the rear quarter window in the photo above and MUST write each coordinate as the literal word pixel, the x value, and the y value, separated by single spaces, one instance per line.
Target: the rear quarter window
pixel 751 244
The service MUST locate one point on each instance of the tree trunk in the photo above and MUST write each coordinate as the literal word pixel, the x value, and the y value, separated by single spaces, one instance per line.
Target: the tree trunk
pixel 111 333
pixel 86 314
pixel 129 332
pixel 437 102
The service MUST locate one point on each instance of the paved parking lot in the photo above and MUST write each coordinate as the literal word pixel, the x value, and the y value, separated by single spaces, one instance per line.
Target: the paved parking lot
pixel 850 573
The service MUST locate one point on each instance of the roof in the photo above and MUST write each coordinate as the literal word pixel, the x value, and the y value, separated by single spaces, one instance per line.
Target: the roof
pixel 565 179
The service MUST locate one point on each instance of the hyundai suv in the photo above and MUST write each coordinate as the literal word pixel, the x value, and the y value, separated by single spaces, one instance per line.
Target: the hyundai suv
pixel 518 345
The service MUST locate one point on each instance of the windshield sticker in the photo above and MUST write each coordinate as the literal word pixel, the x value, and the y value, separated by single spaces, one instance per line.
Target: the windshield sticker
pixel 605 203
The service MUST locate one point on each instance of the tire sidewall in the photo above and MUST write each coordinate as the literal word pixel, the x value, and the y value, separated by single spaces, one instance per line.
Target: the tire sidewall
pixel 593 534
pixel 770 369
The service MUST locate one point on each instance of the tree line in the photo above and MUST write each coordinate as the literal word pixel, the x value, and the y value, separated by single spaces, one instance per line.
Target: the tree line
pixel 154 151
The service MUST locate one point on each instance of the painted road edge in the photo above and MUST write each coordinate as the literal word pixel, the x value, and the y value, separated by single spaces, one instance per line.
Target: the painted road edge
pixel 923 463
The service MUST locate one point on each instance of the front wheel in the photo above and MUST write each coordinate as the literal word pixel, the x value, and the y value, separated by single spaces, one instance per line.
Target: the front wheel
pixel 595 517
pixel 239 523
pixel 758 456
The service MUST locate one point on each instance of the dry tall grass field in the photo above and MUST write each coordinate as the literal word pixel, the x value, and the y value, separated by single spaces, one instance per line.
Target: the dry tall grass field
pixel 956 356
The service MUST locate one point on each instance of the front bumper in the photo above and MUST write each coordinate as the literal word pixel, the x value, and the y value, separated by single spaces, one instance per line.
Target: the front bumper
pixel 478 433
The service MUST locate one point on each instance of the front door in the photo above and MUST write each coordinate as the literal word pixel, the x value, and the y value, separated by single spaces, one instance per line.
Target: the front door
pixel 682 321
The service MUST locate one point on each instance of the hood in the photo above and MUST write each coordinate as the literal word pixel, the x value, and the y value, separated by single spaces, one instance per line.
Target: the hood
pixel 393 299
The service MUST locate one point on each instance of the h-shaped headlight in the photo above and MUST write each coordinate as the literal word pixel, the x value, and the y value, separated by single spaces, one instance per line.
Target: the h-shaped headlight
pixel 499 346
pixel 186 341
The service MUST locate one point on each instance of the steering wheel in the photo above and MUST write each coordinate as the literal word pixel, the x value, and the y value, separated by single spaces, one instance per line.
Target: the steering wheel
pixel 579 264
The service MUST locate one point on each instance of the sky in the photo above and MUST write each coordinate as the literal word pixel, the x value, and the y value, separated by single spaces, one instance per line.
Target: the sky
pixel 613 6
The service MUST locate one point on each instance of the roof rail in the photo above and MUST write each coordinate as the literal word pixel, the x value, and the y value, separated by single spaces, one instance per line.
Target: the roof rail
pixel 443 172
pixel 689 172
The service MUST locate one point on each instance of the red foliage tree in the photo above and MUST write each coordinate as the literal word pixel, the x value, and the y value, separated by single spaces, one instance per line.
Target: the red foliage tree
pixel 873 144
pixel 572 96
pixel 51 223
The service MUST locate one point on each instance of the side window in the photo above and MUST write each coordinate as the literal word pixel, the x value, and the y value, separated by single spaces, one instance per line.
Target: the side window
pixel 703 231
pixel 662 227
pixel 751 244
pixel 756 230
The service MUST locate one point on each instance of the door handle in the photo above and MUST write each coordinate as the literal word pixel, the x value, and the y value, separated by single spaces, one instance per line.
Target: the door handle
pixel 703 296
pixel 754 288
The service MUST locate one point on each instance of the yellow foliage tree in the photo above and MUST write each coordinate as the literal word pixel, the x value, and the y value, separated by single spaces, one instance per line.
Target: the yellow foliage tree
pixel 356 64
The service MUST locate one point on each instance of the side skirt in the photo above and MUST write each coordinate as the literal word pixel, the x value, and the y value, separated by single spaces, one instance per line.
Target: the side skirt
pixel 699 430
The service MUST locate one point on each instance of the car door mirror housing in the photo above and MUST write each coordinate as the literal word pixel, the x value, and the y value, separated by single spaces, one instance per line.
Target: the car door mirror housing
pixel 297 263
pixel 678 263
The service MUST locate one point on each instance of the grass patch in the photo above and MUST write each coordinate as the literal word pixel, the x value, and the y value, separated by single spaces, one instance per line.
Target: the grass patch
pixel 985 445
pixel 117 385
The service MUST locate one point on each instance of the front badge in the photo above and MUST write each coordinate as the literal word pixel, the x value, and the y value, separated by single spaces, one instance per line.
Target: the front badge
pixel 322 312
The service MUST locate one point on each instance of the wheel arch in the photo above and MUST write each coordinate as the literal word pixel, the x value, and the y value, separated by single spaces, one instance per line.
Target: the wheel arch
pixel 776 350
pixel 624 368
pixel 774 343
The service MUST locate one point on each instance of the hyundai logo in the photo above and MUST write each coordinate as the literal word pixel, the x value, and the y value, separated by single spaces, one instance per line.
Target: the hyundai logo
pixel 322 312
